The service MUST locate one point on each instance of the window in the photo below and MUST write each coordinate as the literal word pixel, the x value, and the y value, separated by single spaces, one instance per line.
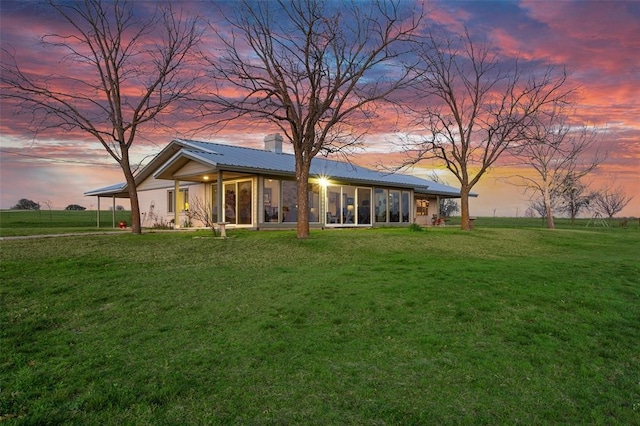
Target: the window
pixel 422 207
pixel 364 206
pixel 380 200
pixel 405 206
pixel 289 201
pixel 314 202
pixel 348 205
pixel 271 200
pixel 171 200
pixel 394 206
pixel 280 201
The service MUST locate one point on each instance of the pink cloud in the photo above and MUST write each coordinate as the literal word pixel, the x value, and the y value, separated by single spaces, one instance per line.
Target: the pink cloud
pixel 598 41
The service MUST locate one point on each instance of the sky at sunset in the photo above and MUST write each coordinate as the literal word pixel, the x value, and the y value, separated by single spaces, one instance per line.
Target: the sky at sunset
pixel 597 41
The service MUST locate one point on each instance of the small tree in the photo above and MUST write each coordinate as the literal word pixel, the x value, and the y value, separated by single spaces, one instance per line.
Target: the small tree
pixel 537 205
pixel 202 211
pixel 574 197
pixel 49 205
pixel 610 201
pixel 25 204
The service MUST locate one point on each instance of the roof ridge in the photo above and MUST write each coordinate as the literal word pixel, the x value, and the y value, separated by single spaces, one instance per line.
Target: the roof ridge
pixel 233 146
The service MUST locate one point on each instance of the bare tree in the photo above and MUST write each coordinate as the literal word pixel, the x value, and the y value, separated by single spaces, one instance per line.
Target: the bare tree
pixel 610 201
pixel 123 72
pixel 538 206
pixel 49 205
pixel 314 69
pixel 473 107
pixel 203 212
pixel 559 155
pixel 574 196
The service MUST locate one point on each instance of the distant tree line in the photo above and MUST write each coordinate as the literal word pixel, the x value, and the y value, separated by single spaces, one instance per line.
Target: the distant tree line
pixel 26 204
pixel 575 197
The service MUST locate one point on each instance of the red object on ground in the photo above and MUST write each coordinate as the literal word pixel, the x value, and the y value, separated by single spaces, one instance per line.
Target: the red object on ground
pixel 123 225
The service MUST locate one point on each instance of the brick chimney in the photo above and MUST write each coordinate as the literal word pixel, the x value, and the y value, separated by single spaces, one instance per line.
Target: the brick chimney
pixel 273 143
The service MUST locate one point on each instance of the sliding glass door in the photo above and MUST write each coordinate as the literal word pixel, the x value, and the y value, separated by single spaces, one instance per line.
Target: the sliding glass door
pixel 238 204
pixel 348 205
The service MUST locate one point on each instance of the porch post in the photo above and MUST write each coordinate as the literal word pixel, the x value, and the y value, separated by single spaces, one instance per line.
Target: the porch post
pixel 220 196
pixel 113 211
pixel 177 196
pixel 412 207
pixel 98 213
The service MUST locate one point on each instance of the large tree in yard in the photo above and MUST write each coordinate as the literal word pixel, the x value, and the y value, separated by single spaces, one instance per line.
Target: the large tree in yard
pixel 314 69
pixel 471 106
pixel 118 71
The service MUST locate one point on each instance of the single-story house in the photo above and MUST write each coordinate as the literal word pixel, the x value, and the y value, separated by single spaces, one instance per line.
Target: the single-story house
pixel 256 189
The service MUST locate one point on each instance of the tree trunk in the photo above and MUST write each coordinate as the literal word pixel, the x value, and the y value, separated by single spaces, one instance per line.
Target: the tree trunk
pixel 548 210
pixel 464 208
pixel 136 227
pixel 302 186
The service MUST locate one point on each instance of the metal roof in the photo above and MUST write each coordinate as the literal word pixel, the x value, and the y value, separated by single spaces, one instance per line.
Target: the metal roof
pixel 221 156
pixel 108 190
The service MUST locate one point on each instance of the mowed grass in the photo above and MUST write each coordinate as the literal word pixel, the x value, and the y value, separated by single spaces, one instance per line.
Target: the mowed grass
pixel 362 327
pixel 36 222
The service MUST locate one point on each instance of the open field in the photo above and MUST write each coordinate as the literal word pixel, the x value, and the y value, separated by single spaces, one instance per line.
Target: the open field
pixel 35 222
pixel 561 223
pixel 366 327
pixel 29 222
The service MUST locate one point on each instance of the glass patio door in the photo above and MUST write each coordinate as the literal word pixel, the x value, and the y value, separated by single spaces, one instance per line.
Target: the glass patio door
pixel 238 202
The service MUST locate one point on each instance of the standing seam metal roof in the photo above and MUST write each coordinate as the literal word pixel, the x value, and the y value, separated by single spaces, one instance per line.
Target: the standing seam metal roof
pixel 257 159
pixel 221 155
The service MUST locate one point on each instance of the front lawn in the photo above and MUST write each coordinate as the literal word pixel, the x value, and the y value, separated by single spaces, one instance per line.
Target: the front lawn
pixel 363 327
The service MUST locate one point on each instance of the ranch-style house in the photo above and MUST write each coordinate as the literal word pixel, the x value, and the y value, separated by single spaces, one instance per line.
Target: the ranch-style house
pixel 256 189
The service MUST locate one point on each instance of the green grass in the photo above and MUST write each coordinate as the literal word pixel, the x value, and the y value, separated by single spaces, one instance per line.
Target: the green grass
pixel 561 223
pixel 36 222
pixel 363 327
